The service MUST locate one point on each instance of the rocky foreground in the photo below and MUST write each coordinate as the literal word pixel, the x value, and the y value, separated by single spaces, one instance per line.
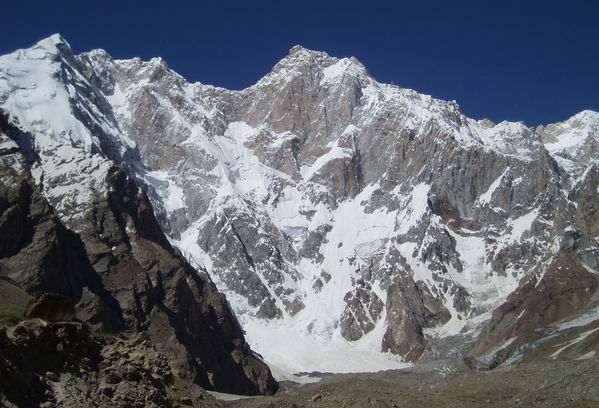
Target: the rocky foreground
pixel 65 364
pixel 561 384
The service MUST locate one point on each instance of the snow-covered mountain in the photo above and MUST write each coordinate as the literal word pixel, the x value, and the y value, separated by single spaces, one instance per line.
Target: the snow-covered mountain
pixel 340 215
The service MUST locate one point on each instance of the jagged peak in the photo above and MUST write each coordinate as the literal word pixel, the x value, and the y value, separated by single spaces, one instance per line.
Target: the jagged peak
pixel 585 116
pixel 158 62
pixel 97 53
pixel 54 43
pixel 300 56
pixel 571 135
pixel 301 59
pixel 136 63
pixel 52 48
pixel 299 50
pixel 486 123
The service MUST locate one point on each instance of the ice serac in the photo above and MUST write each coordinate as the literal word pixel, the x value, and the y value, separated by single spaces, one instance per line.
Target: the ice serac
pixel 333 210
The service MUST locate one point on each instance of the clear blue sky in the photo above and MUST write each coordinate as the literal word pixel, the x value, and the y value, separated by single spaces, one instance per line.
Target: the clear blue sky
pixel 535 61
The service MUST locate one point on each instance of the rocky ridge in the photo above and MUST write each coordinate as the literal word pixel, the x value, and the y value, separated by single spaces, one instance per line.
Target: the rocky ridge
pixel 118 269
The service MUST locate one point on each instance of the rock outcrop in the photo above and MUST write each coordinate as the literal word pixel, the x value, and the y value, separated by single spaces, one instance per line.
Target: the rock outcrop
pixel 563 292
pixel 117 266
pixel 65 364
pixel 51 308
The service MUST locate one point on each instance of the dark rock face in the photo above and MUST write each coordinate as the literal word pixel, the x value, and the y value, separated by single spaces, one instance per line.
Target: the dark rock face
pixel 564 290
pixel 14 300
pixel 51 308
pixel 124 276
pixel 363 309
pixel 38 253
pixel 411 308
pixel 183 313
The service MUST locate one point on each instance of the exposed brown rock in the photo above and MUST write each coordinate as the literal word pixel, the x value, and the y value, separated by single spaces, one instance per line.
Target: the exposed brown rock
pixel 565 289
pixel 51 308
pixel 411 308
pixel 14 299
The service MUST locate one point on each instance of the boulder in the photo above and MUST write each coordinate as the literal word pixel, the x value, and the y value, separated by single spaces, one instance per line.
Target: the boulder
pixel 51 308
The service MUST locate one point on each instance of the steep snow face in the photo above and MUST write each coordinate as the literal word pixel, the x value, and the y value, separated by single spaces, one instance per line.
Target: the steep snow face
pixel 334 211
pixel 70 179
pixel 33 91
pixel 44 89
pixel 64 122
pixel 575 142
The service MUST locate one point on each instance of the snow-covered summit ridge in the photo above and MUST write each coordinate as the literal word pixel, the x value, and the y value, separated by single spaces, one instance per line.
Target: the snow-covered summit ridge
pixel 54 43
pixel 332 70
pixel 46 91
pixel 574 143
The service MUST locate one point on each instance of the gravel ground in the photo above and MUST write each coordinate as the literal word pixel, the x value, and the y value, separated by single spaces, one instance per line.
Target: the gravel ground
pixel 539 384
